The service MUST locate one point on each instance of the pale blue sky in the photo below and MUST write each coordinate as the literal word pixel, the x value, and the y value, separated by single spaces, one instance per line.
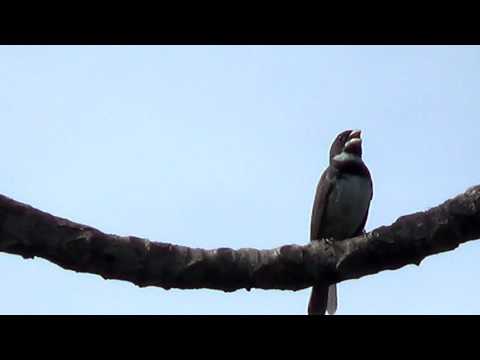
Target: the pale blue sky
pixel 212 146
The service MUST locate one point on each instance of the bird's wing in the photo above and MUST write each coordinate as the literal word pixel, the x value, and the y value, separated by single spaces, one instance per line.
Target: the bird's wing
pixel 320 294
pixel 324 188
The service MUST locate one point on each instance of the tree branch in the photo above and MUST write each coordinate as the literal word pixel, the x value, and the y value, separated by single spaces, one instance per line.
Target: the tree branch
pixel 30 232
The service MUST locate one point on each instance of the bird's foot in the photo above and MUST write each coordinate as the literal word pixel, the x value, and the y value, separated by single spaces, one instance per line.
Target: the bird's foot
pixel 329 241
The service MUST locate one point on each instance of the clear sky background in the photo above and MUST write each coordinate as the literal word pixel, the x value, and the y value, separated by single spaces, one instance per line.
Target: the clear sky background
pixel 214 146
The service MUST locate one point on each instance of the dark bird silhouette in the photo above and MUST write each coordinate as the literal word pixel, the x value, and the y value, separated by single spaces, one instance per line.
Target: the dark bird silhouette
pixel 340 208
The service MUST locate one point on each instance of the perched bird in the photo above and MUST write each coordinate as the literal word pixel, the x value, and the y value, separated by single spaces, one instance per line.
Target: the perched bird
pixel 340 208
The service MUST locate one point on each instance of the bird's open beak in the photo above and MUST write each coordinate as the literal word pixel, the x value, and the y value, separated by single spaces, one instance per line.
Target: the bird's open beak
pixel 354 143
pixel 355 134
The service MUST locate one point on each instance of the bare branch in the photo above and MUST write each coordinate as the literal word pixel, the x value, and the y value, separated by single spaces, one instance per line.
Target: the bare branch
pixel 30 232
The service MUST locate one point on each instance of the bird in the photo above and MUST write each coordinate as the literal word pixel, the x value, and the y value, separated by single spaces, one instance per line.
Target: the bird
pixel 340 207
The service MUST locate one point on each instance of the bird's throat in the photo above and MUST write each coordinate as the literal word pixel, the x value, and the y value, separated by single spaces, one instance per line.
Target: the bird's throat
pixel 345 157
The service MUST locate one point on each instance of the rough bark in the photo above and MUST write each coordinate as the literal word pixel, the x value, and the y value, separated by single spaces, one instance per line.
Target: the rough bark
pixel 30 232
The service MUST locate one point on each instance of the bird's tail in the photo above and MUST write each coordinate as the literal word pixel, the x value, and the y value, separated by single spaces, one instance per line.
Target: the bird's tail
pixel 332 299
pixel 323 298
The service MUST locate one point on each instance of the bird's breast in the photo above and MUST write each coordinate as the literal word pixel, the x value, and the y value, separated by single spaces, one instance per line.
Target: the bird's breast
pixel 347 206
